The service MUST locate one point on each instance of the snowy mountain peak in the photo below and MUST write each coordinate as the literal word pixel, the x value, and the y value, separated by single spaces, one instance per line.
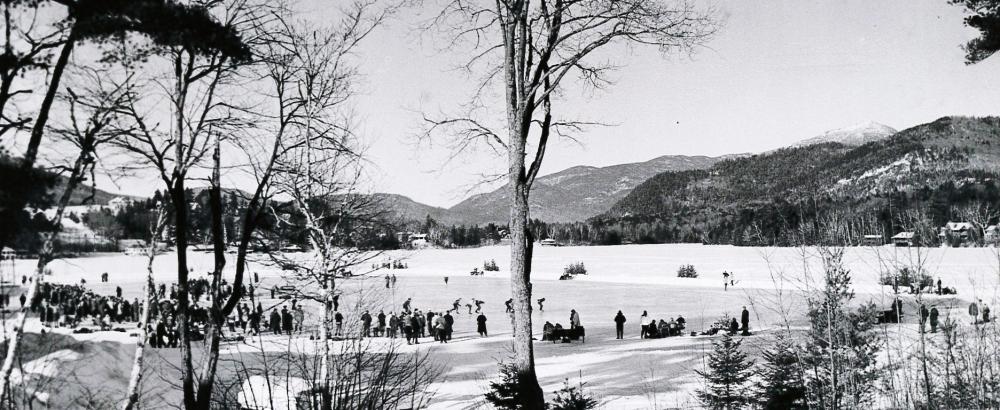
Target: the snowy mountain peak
pixel 854 135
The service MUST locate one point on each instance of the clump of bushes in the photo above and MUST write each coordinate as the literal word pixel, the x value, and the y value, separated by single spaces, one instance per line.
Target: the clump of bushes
pixel 575 269
pixel 908 278
pixel 687 271
pixel 490 266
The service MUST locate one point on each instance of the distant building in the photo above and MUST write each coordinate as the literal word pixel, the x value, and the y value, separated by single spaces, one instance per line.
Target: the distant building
pixel 992 235
pixel 873 240
pixel 419 240
pixel 8 253
pixel 549 242
pixel 958 233
pixel 903 239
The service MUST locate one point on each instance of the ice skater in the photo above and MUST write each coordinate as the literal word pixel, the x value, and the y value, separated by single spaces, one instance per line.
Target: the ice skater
pixel 540 307
pixel 479 305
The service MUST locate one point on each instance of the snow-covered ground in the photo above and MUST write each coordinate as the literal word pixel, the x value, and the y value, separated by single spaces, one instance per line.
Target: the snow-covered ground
pixel 630 373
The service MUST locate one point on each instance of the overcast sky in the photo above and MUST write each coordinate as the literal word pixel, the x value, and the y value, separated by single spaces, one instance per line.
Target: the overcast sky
pixel 778 72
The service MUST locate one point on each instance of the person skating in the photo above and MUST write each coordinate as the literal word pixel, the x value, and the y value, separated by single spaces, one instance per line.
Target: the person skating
pixel 446 281
pixel 745 320
pixel 479 305
pixel 574 319
pixel 455 305
pixel 406 305
pixel 619 325
pixel 540 307
pixel 934 319
pixel 481 325
pixel 366 324
pixel 509 304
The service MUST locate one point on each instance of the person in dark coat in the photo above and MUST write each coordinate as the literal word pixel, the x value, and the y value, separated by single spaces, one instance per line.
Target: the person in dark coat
pixel 733 327
pixel 481 325
pixel 974 312
pixel 366 324
pixel 619 325
pixel 934 319
pixel 275 321
pixel 449 323
pixel 286 320
pixel 415 326
pixel 22 299
pixel 939 286
pixel 924 314
pixel 380 329
pixel 745 320
pixel 339 320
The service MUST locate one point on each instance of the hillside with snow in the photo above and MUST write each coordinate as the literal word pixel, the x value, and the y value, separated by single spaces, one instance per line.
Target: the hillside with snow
pixel 933 168
pixel 853 136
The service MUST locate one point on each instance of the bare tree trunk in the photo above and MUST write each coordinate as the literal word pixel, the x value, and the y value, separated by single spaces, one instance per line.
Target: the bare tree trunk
pixel 324 362
pixel 135 380
pixel 520 281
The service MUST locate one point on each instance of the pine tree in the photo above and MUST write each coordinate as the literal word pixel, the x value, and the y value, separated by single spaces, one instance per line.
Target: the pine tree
pixel 572 398
pixel 504 393
pixel 727 375
pixel 780 385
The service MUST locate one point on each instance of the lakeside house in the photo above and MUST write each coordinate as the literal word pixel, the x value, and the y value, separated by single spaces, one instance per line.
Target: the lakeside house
pixel 992 235
pixel 873 240
pixel 956 233
pixel 903 238
pixel 549 242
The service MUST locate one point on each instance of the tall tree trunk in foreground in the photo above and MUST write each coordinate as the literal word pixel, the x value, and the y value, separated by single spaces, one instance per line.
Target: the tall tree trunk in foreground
pixel 149 290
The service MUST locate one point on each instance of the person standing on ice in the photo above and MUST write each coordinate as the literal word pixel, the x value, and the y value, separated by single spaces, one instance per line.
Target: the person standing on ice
pixel 745 320
pixel 446 281
pixel 574 319
pixel 934 319
pixel 725 280
pixel 406 305
pixel 619 325
pixel 643 324
pixel 481 325
pixel 974 312
pixel 366 324
pixel 387 281
pixel 339 320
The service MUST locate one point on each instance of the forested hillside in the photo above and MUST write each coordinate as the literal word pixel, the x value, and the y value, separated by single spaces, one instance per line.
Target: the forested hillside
pixel 939 168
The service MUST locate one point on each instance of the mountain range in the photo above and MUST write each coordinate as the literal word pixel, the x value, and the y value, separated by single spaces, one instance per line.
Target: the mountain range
pixel 942 165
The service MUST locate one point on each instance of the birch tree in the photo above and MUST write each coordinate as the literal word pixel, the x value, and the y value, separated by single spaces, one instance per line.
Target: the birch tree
pixel 88 128
pixel 532 50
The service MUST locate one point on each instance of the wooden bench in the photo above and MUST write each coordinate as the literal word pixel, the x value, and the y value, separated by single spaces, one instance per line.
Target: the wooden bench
pixel 577 333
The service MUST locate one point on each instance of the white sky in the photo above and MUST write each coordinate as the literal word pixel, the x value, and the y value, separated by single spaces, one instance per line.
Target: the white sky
pixel 778 72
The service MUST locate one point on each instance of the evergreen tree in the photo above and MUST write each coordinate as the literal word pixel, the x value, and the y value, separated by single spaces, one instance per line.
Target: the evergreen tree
pixel 572 398
pixel 780 385
pixel 504 393
pixel 842 349
pixel 727 375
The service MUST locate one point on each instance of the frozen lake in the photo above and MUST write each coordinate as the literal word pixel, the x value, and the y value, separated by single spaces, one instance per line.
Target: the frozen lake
pixel 630 278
